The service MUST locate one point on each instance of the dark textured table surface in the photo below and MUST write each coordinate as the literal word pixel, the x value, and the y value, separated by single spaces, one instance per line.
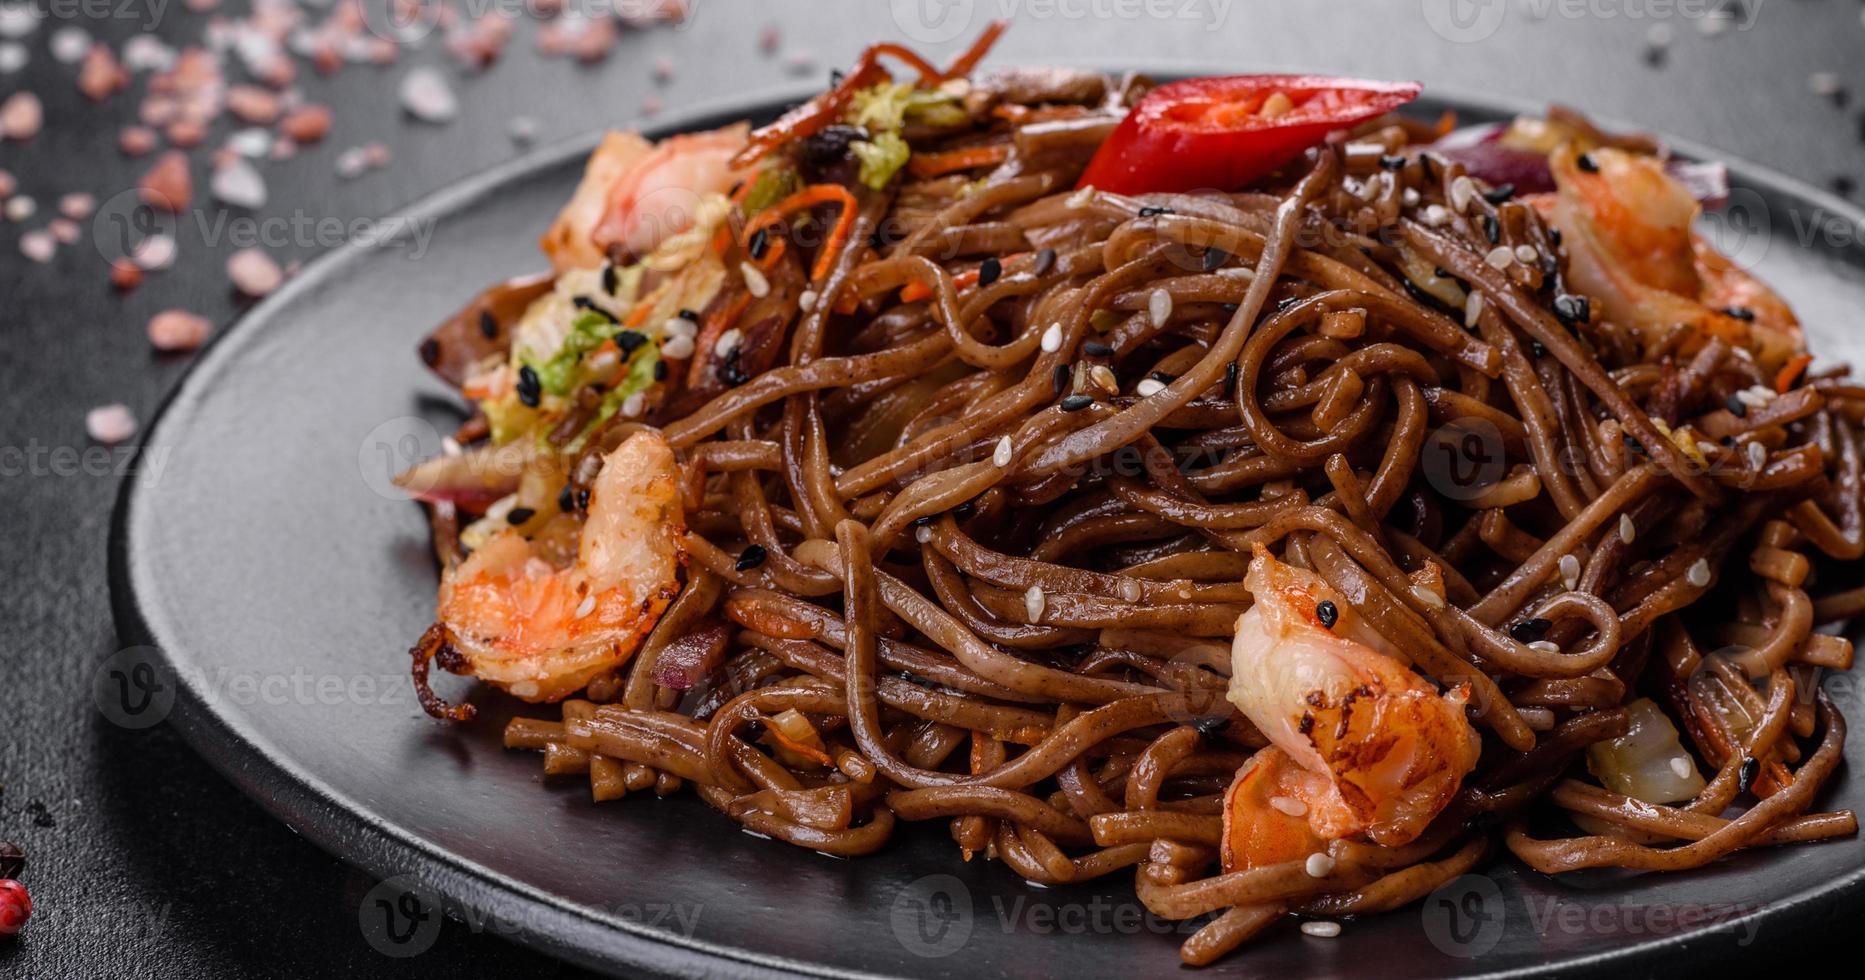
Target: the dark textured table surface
pixel 144 861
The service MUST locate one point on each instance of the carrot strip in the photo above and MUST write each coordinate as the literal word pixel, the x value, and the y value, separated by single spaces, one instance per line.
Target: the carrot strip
pixel 917 290
pixel 709 334
pixel 809 197
pixel 1784 382
pixel 967 158
pixel 974 54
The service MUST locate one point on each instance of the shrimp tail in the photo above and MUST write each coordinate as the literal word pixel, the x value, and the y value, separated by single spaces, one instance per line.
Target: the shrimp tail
pixel 437 644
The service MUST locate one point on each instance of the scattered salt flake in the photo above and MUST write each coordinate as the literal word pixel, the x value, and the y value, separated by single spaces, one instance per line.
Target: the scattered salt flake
pixel 20 207
pixel 769 39
pixel 251 142
pixel 376 155
pixel 125 275
pixel 238 184
pixel 427 96
pixel 69 44
pixel 663 69
pixel 147 52
pixel 77 205
pixel 38 245
pixel 352 163
pixel 253 105
pixel 652 106
pixel 178 330
pixel 13 57
pixel 18 18
pixel 101 75
pixel 109 424
pixel 136 141
pixel 21 116
pixel 253 272
pixel 167 184
pixel 522 129
pixel 187 133
pixel 154 253
pixel 65 230
pixel 307 123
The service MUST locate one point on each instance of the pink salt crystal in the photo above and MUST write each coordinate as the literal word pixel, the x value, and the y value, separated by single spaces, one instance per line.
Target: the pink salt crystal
pixel 594 44
pixel 253 272
pixel 63 229
pixel 135 141
pixel 769 39
pixel 651 106
pixel 21 116
pixel 186 133
pixel 376 155
pixel 253 105
pixel 38 245
pixel 201 6
pixel 178 330
pixel 77 205
pixel 283 148
pixel 7 185
pixel 110 424
pixel 125 275
pixel 168 185
pixel 307 124
pixel 101 75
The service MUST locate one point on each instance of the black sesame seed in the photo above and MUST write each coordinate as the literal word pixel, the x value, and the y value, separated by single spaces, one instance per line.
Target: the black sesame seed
pixel 1424 167
pixel 1210 725
pixel 1735 407
pixel 529 388
pixel 1060 378
pixel 964 511
pixel 835 77
pixel 1497 195
pixel 1745 776
pixel 519 515
pixel 1390 162
pixel 1530 630
pixel 430 352
pixel 1727 442
pixel 609 280
pixel 1149 211
pixel 1492 229
pixel 760 243
pixel 1095 348
pixel 1230 375
pixel 628 340
pixel 488 325
pixel 729 372
pixel 1045 260
pixel 1742 313
pixel 1633 446
pixel 692 315
pixel 1572 309
pixel 1075 403
pixel 1587 164
pixel 660 370
pixel 988 271
pixel 924 520
pixel 1228 307
pixel 1537 351
pixel 1554 237
pixel 582 500
pixel 1214 258
pixel 1327 613
pixel 750 558
pixel 566 499
pixel 1163 377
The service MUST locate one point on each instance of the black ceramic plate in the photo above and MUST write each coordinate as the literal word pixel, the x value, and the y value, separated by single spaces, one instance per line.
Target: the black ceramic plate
pixel 261 554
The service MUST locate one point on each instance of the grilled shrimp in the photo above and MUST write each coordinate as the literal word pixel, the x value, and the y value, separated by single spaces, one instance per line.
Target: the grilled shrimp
pixel 510 618
pixel 1360 744
pixel 1627 226
pixel 635 194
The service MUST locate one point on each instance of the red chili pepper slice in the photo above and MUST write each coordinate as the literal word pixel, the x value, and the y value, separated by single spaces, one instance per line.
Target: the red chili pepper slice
pixel 1221 133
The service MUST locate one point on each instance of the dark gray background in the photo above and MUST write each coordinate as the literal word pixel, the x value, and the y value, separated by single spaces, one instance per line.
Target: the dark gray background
pixel 143 861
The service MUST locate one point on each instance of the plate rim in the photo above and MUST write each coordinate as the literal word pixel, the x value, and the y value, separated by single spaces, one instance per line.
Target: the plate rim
pixel 310 807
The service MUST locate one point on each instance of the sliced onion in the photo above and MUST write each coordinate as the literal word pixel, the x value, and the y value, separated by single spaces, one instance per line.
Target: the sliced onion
pixel 1647 762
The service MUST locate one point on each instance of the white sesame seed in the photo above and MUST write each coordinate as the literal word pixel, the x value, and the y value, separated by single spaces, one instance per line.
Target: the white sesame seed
pixel 1435 215
pixel 633 404
pixel 727 340
pixel 587 606
pixel 1159 307
pixel 1321 930
pixel 1699 573
pixel 1001 456
pixel 1627 529
pixel 1545 646
pixel 1526 254
pixel 1427 598
pixel 1103 377
pixel 1757 455
pixel 1749 398
pixel 1681 766
pixel 1500 257
pixel 1033 603
pixel 1080 197
pixel 1052 338
pixel 1462 190
pixel 1130 590
pixel 923 533
pixel 1148 387
pixel 1243 272
pixel 1707 448
pixel 1409 197
pixel 1570 570
pixel 1289 805
pixel 755 282
pixel 1318 865
pixel 679 347
pixel 1762 393
pixel 679 326
pixel 1473 308
pixel 1537 719
pixel 806 301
